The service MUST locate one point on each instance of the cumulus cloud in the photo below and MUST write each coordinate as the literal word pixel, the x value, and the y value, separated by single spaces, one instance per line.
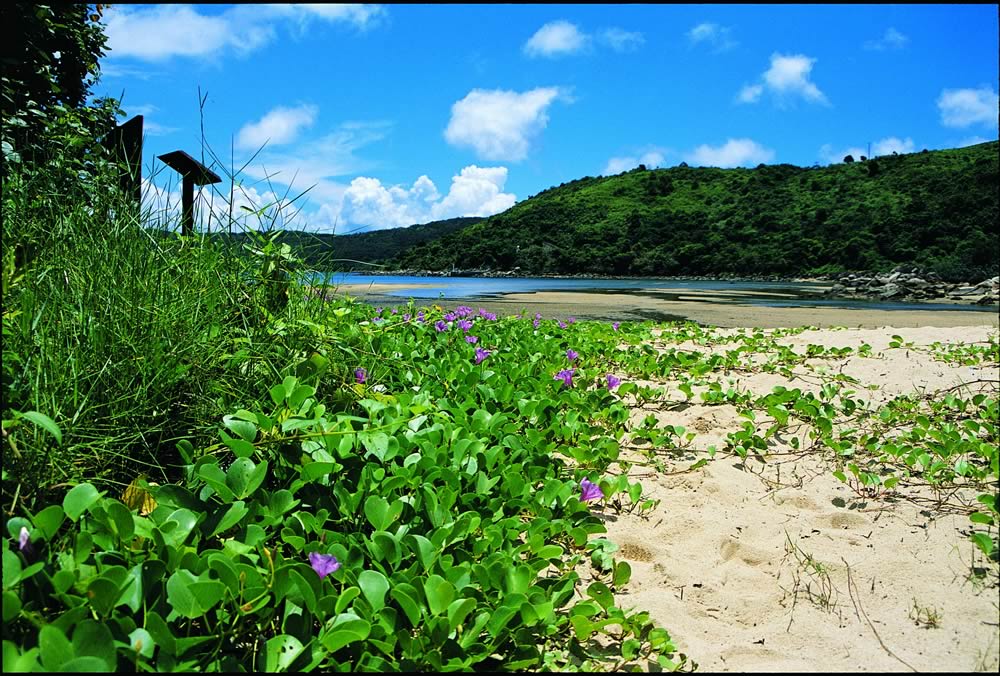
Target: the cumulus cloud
pixel 475 191
pixel 750 93
pixel 734 153
pixel 787 78
pixel 560 38
pixel 160 32
pixel 314 164
pixel 617 165
pixel 966 107
pixel 713 35
pixel 621 40
pixel 500 124
pixel 891 39
pixel 885 146
pixel 972 141
pixel 556 38
pixel 279 126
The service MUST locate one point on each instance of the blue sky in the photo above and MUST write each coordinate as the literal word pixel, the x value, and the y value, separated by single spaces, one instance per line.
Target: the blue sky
pixel 402 114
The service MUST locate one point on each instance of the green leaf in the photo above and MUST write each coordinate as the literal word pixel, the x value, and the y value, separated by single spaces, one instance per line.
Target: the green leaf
pixel 406 595
pixel 243 428
pixel 600 592
pixel 191 596
pixel 439 593
pixel 238 476
pixel 983 541
pixel 373 585
pixel 346 628
pixel 121 519
pixel 141 641
pixel 54 648
pixel 11 569
pixel 233 515
pixel 43 421
pixel 79 499
pixel 281 652
pixel 622 574
pixel 458 610
pixel 11 606
pixel 103 595
pixel 49 520
pixel 94 639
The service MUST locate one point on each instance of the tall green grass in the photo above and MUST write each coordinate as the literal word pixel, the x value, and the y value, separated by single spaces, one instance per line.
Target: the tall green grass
pixel 130 337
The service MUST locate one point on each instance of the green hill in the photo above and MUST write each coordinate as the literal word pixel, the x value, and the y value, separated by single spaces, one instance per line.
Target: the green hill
pixel 351 252
pixel 936 210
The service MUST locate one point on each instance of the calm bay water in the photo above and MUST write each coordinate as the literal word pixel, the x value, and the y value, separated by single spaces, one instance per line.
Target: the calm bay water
pixel 794 294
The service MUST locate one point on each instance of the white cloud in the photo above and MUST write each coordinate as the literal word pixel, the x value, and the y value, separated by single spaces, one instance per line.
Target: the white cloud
pixel 313 164
pixel 500 124
pixel 885 146
pixel 890 145
pixel 622 40
pixel 966 107
pixel 617 165
pixel 360 16
pixel 475 191
pixel 160 32
pixel 556 38
pixel 734 153
pixel 750 93
pixel 279 126
pixel 973 141
pixel 718 37
pixel 891 39
pixel 787 77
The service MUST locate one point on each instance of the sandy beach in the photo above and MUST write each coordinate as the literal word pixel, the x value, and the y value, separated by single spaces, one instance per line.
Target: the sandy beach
pixel 727 309
pixel 775 565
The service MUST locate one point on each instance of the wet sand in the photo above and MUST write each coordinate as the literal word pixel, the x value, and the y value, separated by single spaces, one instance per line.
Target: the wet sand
pixel 708 308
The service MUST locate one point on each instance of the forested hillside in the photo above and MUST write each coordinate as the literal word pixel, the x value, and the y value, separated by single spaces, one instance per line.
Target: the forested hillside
pixel 934 209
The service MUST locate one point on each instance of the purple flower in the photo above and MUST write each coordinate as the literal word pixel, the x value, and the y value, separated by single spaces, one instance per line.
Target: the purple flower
pixel 570 320
pixel 481 354
pixel 571 355
pixel 24 541
pixel 464 324
pixel 615 325
pixel 440 326
pixel 378 311
pixel 406 317
pixel 538 315
pixel 394 311
pixel 590 491
pixel 562 324
pixel 450 317
pixel 360 375
pixel 536 323
pixel 566 375
pixel 471 339
pixel 323 564
pixel 613 382
pixel 463 311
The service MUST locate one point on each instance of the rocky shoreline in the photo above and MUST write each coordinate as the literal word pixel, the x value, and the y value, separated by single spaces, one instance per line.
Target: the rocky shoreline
pixel 913 285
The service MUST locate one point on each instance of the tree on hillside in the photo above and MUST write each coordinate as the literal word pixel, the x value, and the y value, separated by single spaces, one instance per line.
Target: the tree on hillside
pixel 848 159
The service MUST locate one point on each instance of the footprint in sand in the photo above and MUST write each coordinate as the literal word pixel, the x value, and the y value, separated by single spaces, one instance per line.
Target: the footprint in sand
pixel 635 552
pixel 845 520
pixel 751 556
